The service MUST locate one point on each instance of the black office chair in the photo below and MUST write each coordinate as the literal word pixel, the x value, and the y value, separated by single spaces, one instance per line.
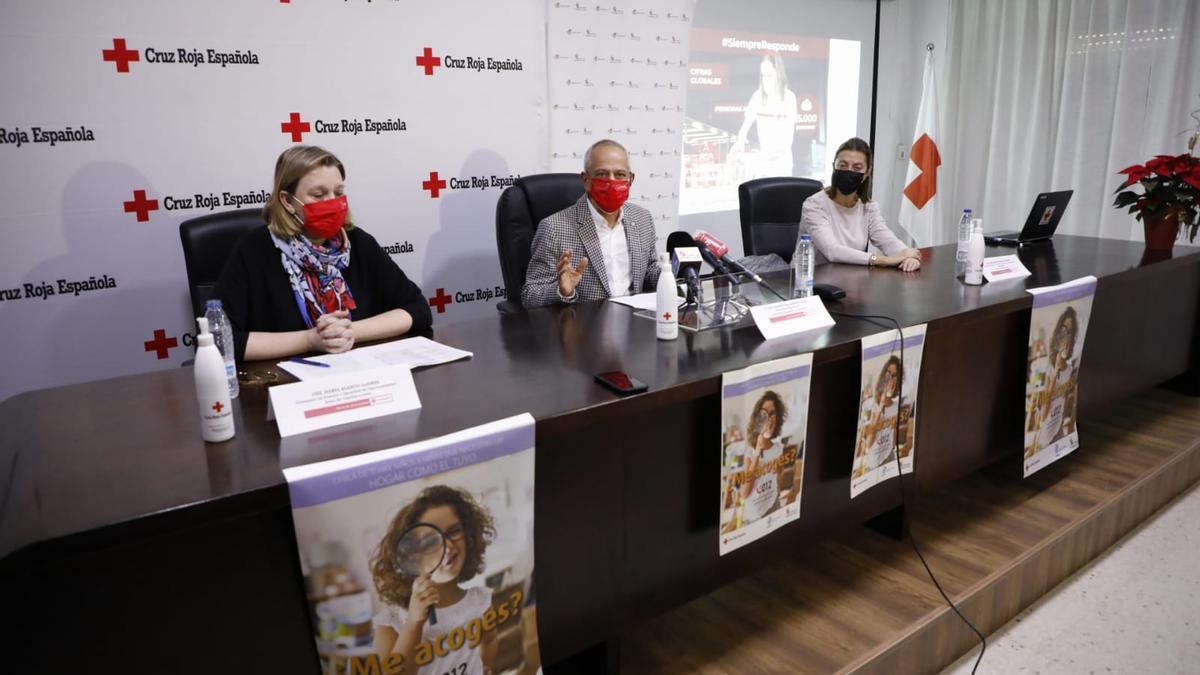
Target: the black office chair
pixel 771 213
pixel 207 243
pixel 520 208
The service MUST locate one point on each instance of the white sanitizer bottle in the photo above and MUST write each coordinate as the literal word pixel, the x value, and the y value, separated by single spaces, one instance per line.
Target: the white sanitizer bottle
pixel 212 388
pixel 974 275
pixel 667 305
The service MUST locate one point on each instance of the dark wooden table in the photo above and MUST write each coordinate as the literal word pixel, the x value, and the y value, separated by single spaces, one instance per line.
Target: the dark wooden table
pixel 128 542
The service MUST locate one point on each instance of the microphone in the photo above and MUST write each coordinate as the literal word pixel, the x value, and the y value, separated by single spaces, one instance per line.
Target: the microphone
pixel 721 251
pixel 685 260
pixel 712 260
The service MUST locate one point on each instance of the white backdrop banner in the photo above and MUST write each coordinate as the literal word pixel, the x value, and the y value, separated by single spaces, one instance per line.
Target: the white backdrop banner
pixel 620 72
pixel 120 120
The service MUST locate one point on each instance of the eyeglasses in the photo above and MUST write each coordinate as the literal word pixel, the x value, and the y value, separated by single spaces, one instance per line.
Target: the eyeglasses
pixel 456 532
pixel 258 377
pixel 764 414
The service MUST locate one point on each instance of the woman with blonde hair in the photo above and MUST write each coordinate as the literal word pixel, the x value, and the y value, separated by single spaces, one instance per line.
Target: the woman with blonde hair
pixel 310 281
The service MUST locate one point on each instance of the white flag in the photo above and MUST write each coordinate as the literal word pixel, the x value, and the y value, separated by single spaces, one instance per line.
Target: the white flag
pixel 920 212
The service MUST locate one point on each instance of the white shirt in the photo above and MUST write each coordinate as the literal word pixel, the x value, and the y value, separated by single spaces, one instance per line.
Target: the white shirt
pixel 883 446
pixel 615 248
pixel 466 659
pixel 765 491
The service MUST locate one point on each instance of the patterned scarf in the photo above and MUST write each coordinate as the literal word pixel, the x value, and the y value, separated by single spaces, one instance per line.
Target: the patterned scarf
pixel 315 271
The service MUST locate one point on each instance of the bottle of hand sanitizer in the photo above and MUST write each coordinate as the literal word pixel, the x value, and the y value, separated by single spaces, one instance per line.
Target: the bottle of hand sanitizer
pixel 212 388
pixel 974 275
pixel 667 302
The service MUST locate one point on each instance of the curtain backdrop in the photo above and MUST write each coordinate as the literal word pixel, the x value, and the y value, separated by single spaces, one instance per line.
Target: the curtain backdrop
pixel 1062 94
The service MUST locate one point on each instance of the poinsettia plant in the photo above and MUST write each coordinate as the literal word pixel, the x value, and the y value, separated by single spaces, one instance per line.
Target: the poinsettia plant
pixel 1170 188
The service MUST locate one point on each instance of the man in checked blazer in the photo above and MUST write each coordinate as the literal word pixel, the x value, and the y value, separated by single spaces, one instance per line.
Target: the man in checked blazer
pixel 599 247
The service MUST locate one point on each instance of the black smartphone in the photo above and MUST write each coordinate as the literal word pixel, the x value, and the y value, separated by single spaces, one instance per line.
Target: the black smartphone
pixel 620 382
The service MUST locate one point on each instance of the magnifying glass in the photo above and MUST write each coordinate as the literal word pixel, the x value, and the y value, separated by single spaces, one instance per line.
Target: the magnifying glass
pixel 760 419
pixel 419 551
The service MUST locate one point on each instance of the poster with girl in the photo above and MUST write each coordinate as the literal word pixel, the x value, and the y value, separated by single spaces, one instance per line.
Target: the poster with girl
pixel 764 418
pixel 887 408
pixel 419 559
pixel 1057 327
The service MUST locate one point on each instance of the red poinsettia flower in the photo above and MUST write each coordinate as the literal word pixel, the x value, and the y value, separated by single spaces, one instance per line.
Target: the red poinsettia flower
pixel 1170 186
pixel 1192 177
pixel 1136 173
pixel 1180 164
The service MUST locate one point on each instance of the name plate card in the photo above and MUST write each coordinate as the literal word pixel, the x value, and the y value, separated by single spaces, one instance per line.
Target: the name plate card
pixel 1001 267
pixel 790 317
pixel 310 405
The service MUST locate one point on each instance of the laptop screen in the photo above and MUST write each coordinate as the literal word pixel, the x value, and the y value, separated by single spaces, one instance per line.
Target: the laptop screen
pixel 1045 215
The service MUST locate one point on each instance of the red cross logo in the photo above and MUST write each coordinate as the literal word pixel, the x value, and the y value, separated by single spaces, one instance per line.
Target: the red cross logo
pixel 925 156
pixel 161 343
pixel 441 300
pixel 666 316
pixel 218 407
pixel 434 185
pixel 428 61
pixel 120 55
pixel 141 206
pixel 296 127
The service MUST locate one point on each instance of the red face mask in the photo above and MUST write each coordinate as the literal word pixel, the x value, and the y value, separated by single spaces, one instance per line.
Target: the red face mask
pixel 609 194
pixel 324 219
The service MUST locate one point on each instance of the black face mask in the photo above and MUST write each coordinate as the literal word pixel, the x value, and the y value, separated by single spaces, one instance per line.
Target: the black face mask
pixel 846 181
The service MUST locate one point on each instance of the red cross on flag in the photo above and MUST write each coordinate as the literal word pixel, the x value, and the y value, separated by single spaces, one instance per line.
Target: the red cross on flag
pixel 920 210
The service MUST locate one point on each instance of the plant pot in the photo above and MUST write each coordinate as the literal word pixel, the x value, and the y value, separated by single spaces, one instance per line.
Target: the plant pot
pixel 1161 232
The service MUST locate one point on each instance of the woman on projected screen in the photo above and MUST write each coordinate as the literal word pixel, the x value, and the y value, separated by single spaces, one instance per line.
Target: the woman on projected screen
pixel 843 219
pixel 773 108
pixel 310 281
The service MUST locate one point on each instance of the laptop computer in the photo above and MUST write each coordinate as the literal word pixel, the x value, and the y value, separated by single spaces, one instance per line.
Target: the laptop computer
pixel 1043 220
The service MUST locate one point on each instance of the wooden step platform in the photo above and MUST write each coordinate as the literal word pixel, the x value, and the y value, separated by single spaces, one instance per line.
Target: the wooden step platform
pixel 862 602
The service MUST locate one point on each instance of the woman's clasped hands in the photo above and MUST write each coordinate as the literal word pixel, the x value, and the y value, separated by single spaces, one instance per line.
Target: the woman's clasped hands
pixel 332 333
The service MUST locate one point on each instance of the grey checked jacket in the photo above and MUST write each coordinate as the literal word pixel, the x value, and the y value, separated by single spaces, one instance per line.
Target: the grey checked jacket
pixel 573 228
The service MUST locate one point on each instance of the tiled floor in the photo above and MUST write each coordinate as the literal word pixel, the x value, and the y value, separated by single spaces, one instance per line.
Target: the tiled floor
pixel 1136 609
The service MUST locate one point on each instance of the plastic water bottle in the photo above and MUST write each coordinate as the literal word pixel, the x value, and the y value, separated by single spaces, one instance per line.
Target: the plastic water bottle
pixel 803 261
pixel 222 332
pixel 964 239
pixel 216 410
pixel 666 301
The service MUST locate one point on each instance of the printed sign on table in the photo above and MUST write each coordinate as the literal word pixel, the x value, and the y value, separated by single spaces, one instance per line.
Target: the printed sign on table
pixel 789 317
pixel 887 409
pixel 1004 267
pixel 436 534
pixel 764 419
pixel 1057 327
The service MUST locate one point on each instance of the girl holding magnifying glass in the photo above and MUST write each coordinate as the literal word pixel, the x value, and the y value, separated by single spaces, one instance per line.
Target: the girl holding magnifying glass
pixel 466 529
pixel 761 495
pixel 878 441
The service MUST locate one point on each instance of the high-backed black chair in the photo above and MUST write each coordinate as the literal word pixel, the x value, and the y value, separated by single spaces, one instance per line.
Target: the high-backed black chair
pixel 520 208
pixel 207 243
pixel 771 213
